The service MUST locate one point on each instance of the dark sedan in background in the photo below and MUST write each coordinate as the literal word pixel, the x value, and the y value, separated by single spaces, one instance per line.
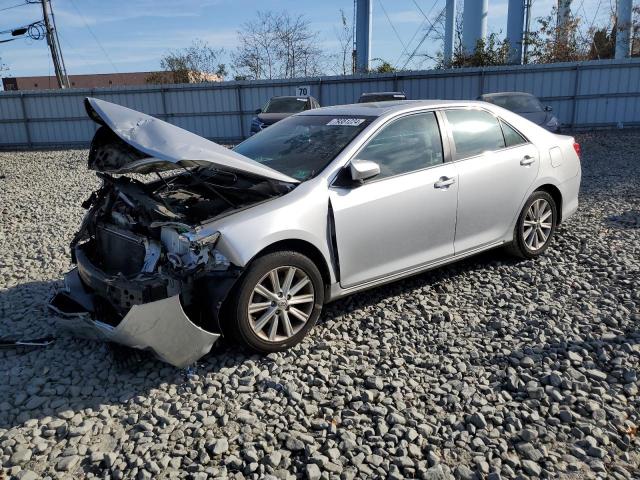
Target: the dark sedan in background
pixel 278 108
pixel 526 105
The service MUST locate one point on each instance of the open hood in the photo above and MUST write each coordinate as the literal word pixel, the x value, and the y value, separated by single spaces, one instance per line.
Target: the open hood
pixel 151 144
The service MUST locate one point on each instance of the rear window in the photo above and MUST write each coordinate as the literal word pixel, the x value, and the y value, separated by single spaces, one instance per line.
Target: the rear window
pixel 474 132
pixel 517 103
pixel 286 105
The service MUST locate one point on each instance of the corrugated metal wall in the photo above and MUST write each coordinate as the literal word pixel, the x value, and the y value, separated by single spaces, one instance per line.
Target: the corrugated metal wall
pixel 583 95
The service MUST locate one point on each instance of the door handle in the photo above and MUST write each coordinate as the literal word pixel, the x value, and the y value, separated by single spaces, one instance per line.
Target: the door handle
pixel 527 160
pixel 444 182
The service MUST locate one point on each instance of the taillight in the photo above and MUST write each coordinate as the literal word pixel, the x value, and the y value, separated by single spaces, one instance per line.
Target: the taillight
pixel 576 147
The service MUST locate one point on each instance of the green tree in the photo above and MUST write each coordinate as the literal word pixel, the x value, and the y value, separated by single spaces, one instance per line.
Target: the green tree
pixel 489 52
pixel 384 66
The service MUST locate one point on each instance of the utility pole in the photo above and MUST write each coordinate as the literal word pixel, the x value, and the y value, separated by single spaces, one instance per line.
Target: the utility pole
pixel 527 31
pixel 363 35
pixel 449 27
pixel 474 24
pixel 515 22
pixel 624 28
pixel 562 21
pixel 54 45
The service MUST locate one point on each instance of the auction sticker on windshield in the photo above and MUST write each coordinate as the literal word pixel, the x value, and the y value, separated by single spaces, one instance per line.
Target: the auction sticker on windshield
pixel 346 122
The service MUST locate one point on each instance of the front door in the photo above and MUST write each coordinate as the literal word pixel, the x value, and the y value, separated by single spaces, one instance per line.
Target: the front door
pixel 403 218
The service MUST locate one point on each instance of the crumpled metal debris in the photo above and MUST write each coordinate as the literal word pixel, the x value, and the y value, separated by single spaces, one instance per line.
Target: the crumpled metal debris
pixel 10 342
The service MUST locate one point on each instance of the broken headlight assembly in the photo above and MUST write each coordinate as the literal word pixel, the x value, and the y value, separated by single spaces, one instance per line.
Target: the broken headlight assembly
pixel 186 251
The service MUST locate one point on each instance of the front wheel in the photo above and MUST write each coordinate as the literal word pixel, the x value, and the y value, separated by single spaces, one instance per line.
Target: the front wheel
pixel 536 226
pixel 278 301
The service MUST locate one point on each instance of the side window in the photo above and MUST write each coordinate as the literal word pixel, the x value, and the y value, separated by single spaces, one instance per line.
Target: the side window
pixel 474 132
pixel 511 137
pixel 407 144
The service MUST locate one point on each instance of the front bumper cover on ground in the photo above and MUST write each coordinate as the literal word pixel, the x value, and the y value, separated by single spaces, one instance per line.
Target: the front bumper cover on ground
pixel 160 326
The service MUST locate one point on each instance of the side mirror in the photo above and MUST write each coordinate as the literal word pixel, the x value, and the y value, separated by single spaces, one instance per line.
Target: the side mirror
pixel 258 111
pixel 548 108
pixel 362 170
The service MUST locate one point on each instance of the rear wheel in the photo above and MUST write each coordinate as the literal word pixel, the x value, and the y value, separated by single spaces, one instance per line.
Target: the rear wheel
pixel 278 301
pixel 536 226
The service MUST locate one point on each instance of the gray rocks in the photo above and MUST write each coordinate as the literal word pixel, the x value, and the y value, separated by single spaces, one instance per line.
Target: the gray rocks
pixel 67 464
pixel 313 471
pixel 478 420
pixel 220 446
pixel 20 456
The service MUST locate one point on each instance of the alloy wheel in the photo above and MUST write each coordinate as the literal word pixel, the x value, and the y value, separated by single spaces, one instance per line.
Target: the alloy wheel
pixel 538 224
pixel 281 303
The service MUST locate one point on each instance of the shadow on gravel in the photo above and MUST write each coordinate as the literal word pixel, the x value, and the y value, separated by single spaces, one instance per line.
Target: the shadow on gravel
pixel 74 374
pixel 431 278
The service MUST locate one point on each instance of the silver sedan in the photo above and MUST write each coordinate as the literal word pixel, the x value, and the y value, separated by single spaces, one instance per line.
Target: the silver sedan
pixel 252 242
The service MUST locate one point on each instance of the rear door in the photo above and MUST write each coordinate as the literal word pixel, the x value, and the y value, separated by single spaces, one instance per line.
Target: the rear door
pixel 496 167
pixel 404 217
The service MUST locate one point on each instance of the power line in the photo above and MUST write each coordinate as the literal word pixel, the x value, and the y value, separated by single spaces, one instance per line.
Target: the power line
pixel 404 50
pixel 426 35
pixel 94 37
pixel 426 15
pixel 14 6
pixel 426 19
pixel 391 23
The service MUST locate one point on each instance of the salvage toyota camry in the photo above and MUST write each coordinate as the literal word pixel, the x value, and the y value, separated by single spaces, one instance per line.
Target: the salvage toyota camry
pixel 186 240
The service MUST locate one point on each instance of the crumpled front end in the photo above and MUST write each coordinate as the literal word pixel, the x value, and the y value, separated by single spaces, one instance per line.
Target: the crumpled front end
pixel 161 326
pixel 144 277
pixel 148 272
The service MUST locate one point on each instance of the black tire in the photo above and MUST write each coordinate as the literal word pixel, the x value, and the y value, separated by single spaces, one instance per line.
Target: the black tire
pixel 520 246
pixel 242 324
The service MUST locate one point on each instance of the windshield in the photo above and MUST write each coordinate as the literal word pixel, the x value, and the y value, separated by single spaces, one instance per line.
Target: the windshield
pixel 517 103
pixel 302 146
pixel 286 105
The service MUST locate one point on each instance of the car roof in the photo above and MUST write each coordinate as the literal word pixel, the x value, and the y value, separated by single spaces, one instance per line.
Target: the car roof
pixel 504 94
pixel 365 94
pixel 291 96
pixel 378 109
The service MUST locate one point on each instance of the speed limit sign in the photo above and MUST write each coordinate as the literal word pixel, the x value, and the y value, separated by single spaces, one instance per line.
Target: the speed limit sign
pixel 303 91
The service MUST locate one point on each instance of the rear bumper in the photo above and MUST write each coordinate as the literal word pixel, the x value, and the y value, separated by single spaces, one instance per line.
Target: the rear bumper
pixel 158 325
pixel 570 191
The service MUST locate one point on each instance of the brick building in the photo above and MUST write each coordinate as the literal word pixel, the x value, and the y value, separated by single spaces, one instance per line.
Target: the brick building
pixel 94 80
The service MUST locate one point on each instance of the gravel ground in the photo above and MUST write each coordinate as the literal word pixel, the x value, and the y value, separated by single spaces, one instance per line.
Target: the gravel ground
pixel 491 368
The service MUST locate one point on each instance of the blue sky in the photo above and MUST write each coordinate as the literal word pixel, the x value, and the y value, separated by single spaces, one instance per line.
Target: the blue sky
pixel 135 34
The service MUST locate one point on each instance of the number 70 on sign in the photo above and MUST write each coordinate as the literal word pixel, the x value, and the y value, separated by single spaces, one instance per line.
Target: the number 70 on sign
pixel 303 91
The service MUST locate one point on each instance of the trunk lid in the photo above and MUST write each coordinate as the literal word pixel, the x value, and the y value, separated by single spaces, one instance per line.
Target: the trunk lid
pixel 159 145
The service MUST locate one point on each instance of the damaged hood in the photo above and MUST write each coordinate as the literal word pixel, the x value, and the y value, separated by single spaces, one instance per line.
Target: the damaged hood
pixel 159 145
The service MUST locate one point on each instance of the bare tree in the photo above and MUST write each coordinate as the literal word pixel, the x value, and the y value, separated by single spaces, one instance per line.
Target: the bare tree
pixel 197 63
pixel 635 34
pixel 341 62
pixel 277 45
pixel 554 42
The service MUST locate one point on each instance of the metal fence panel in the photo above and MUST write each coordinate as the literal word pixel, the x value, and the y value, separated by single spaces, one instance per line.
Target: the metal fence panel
pixel 583 95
